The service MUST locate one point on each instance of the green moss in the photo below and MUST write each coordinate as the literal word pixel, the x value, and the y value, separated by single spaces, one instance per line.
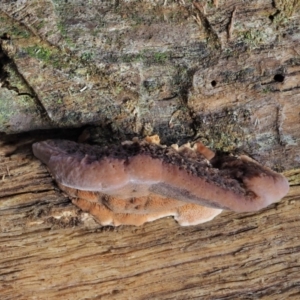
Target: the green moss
pixel 40 25
pixel 133 57
pixel 16 82
pixel 39 53
pixel 147 56
pixel 266 90
pixel 119 89
pixel 48 55
pixel 62 29
pixel 19 32
pixel 286 8
pixel 160 57
pixel 293 176
pixel 63 32
pixel 253 38
pixel 223 130
pixel 210 4
pixel 87 56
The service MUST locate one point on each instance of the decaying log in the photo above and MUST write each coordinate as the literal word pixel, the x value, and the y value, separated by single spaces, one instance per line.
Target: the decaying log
pixel 50 249
pixel 222 72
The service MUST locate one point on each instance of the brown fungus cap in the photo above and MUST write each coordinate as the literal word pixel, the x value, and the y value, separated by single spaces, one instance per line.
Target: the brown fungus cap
pixel 141 168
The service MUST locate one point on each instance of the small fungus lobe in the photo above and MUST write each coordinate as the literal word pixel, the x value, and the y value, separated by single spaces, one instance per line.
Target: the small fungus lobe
pixel 141 181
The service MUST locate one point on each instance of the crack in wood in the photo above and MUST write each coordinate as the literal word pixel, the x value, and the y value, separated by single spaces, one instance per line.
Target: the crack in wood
pixel 213 39
pixel 5 60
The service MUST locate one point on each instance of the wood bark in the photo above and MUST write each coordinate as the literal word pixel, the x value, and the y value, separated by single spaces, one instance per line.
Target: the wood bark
pixel 226 73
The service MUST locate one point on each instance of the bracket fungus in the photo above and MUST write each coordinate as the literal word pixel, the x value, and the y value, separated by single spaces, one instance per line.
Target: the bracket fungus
pixel 141 181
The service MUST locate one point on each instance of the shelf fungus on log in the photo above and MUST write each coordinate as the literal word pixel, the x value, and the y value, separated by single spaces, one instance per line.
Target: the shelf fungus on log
pixel 141 181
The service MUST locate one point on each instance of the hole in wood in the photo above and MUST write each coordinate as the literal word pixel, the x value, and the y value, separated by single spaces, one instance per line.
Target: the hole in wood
pixel 279 78
pixel 213 83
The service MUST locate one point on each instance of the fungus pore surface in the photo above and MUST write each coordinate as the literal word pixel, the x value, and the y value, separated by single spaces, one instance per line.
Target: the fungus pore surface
pixel 141 181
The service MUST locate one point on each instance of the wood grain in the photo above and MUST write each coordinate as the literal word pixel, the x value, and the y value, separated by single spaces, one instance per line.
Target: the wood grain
pixel 51 250
pixel 223 72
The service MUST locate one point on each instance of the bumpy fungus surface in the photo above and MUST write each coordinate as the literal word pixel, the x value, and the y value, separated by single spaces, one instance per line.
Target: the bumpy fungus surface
pixel 141 181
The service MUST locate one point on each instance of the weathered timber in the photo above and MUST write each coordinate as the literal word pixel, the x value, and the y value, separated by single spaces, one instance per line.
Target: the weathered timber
pixel 226 73
pixel 52 250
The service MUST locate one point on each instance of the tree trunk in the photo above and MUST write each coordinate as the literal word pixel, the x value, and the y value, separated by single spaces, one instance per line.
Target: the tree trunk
pixel 225 73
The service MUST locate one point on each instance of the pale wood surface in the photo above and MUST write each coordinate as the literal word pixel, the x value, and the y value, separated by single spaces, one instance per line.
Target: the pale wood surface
pixel 51 250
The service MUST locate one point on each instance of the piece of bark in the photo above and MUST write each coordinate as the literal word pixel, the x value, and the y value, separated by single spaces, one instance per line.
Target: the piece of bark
pixel 156 72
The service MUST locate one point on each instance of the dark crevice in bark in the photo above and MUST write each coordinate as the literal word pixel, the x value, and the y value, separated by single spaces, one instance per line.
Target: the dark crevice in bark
pixel 7 63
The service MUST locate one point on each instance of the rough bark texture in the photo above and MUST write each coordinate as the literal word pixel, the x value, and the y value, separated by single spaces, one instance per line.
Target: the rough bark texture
pixel 223 72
